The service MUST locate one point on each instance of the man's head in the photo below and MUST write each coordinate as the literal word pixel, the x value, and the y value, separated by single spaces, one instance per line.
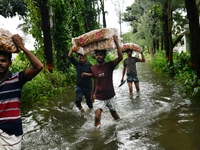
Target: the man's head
pixel 5 61
pixel 81 58
pixel 6 54
pixel 100 55
pixel 129 52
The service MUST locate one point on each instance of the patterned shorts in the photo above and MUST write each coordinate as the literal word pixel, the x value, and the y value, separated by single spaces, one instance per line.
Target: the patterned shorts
pixel 110 103
pixel 132 77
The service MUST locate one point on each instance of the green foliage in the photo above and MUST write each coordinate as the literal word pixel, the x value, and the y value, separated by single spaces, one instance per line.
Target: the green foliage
pixel 11 8
pixel 132 15
pixel 160 62
pixel 71 75
pixel 188 82
pixel 147 21
pixel 43 86
pixel 70 19
pixel 155 23
pixel 33 23
pixel 20 62
pixel 61 33
pixel 181 62
pixel 111 55
pixel 185 78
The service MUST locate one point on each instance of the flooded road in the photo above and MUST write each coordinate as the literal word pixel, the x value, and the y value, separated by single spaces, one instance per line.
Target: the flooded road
pixel 158 119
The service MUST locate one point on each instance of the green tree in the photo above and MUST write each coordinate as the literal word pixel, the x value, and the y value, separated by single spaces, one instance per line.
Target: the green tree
pixel 70 19
pixel 160 25
pixel 90 14
pixel 10 8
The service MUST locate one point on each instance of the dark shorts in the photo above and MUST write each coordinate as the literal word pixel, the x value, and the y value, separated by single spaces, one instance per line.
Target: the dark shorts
pixel 132 77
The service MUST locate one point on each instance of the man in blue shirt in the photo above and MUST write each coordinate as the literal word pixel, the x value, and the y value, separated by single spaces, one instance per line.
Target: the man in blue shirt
pixel 83 80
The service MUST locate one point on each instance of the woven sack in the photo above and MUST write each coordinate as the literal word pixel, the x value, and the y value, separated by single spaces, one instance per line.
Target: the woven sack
pixel 6 42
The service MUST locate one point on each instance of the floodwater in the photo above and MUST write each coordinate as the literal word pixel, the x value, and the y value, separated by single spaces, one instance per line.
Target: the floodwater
pixel 158 119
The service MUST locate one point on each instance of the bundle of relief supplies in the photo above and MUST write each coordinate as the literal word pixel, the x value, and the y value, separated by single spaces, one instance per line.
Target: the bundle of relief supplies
pixel 6 42
pixel 100 39
pixel 131 46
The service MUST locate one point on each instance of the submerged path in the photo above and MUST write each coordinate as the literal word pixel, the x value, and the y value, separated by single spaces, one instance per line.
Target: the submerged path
pixel 159 119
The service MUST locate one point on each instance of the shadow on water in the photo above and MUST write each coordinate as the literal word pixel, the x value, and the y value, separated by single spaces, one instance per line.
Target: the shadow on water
pixel 158 119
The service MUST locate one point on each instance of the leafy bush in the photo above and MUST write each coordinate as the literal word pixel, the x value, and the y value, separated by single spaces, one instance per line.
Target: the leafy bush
pixel 185 78
pixel 160 62
pixel 44 86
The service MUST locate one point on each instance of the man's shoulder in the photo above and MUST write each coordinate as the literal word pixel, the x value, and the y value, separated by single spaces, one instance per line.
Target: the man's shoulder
pixel 127 59
pixel 11 74
pixel 93 66
pixel 132 58
pixel 15 74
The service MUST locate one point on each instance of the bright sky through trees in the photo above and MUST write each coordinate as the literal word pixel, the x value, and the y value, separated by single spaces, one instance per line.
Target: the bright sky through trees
pixel 111 17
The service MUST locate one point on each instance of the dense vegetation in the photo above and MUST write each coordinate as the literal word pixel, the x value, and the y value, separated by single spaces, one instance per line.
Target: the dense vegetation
pixel 185 79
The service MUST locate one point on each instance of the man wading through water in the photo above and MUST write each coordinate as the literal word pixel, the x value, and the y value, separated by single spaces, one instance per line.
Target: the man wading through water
pixel 130 68
pixel 83 80
pixel 103 93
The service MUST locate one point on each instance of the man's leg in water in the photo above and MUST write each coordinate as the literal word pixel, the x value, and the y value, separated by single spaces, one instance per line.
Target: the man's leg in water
pixel 97 117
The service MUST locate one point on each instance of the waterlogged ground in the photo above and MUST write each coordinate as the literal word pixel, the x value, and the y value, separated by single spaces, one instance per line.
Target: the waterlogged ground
pixel 158 119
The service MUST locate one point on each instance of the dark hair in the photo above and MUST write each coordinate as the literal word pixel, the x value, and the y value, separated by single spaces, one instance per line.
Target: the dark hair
pixel 129 50
pixel 101 51
pixel 79 55
pixel 7 54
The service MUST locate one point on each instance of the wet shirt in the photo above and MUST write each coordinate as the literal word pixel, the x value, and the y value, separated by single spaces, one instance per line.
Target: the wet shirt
pixel 10 94
pixel 83 82
pixel 130 64
pixel 103 75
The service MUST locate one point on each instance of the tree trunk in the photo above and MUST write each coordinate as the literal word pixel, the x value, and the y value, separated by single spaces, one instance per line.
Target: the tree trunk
pixel 44 11
pixel 103 13
pixel 170 34
pixel 165 30
pixel 162 42
pixel 192 13
pixel 154 46
pixel 157 44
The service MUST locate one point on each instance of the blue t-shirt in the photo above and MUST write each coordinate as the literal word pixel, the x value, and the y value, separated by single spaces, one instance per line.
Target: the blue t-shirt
pixel 83 82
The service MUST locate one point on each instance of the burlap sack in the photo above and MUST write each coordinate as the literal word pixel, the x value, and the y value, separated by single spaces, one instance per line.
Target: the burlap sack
pixel 94 36
pixel 107 44
pixel 6 42
pixel 131 46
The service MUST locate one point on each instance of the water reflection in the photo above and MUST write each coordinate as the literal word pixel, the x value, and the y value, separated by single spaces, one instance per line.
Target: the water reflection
pixel 158 119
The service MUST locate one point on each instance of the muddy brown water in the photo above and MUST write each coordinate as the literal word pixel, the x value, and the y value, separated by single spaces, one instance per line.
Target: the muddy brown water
pixel 159 119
